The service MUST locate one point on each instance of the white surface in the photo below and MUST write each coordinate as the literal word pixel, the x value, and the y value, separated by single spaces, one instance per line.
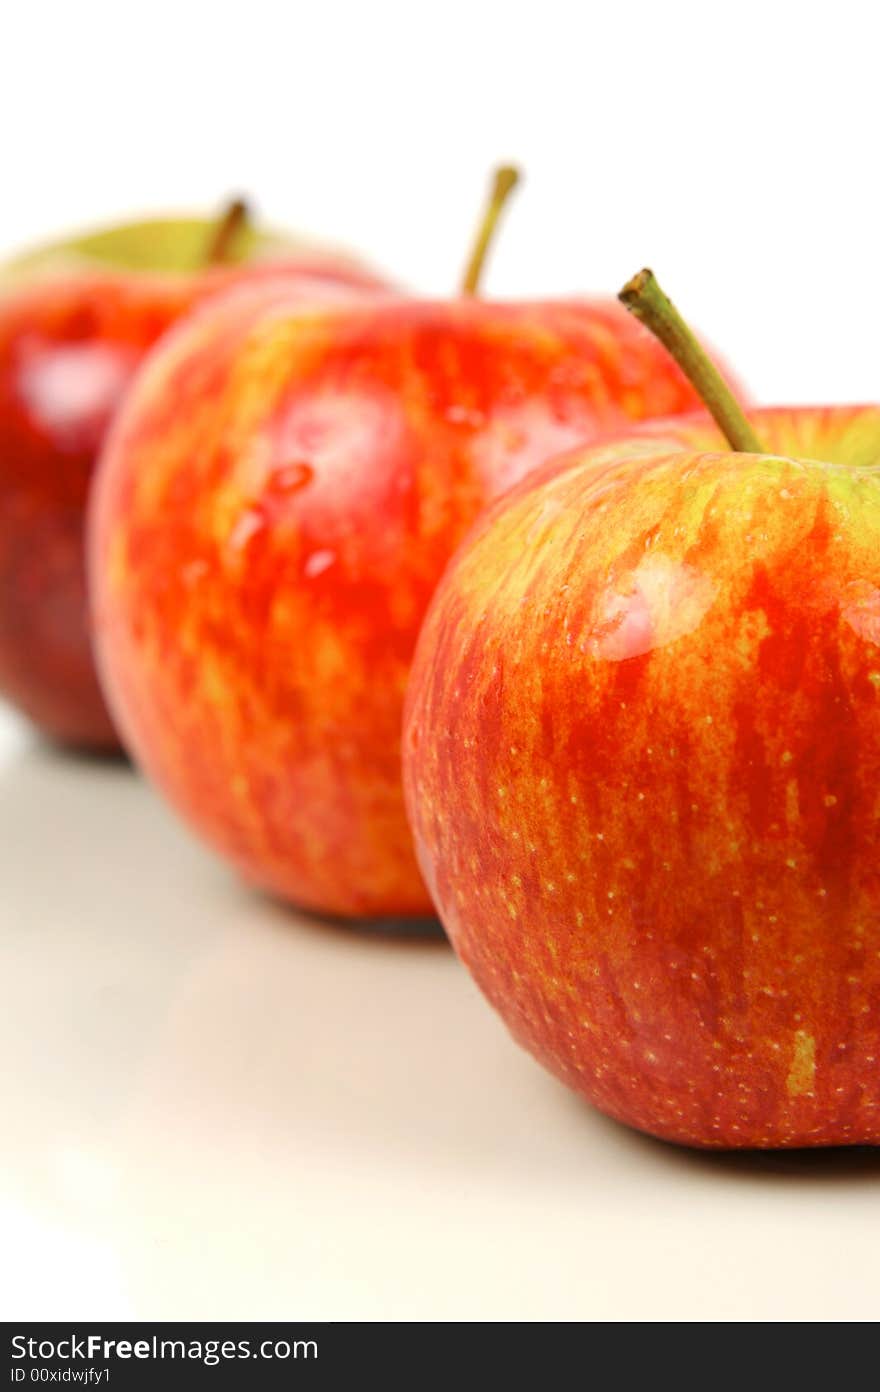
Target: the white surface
pixel 214 1108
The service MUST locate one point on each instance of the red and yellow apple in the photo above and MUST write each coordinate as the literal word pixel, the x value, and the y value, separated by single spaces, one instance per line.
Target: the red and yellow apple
pixel 642 764
pixel 277 502
pixel 75 323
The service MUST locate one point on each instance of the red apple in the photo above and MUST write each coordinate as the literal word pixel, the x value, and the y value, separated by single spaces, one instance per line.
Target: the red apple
pixel 275 507
pixel 642 760
pixel 75 323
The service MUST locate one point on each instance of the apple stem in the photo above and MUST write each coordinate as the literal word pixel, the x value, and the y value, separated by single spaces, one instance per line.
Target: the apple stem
pixel 504 181
pixel 643 297
pixel 225 233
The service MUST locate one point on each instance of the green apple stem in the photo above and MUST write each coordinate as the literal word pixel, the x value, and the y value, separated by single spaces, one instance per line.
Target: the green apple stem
pixel 504 181
pixel 643 297
pixel 225 233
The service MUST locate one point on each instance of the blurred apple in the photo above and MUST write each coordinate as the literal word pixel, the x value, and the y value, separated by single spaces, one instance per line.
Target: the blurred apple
pixel 278 499
pixel 76 319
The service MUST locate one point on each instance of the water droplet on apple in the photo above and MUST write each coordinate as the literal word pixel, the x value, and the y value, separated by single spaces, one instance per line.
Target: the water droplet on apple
pixel 291 477
pixel 661 601
pixel 318 562
pixel 245 528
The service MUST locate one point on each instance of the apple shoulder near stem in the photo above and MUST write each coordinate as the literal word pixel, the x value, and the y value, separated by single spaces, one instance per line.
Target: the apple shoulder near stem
pixel 276 505
pixel 642 761
pixel 76 320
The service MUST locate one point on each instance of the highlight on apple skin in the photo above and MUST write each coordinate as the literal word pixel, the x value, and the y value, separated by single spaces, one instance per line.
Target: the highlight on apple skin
pixel 642 762
pixel 76 320
pixel 277 502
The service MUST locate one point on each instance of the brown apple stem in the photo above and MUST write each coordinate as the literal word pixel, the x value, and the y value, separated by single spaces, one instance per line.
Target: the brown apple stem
pixel 504 181
pixel 643 297
pixel 232 221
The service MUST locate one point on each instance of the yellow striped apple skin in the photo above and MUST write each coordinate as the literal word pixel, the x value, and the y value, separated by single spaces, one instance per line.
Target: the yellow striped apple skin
pixel 642 767
pixel 278 499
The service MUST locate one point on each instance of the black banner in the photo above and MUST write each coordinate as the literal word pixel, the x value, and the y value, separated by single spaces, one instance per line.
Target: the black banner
pixel 133 1355
pixel 349 1355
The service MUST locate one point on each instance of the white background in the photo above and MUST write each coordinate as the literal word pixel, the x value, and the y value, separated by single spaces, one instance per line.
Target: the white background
pixel 734 148
pixel 215 1108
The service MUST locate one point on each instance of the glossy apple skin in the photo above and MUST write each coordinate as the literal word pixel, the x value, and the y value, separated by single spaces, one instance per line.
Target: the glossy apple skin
pixel 274 510
pixel 642 762
pixel 70 345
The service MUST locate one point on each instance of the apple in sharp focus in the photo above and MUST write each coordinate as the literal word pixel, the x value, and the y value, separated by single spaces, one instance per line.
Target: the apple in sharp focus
pixel 75 322
pixel 277 502
pixel 642 762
